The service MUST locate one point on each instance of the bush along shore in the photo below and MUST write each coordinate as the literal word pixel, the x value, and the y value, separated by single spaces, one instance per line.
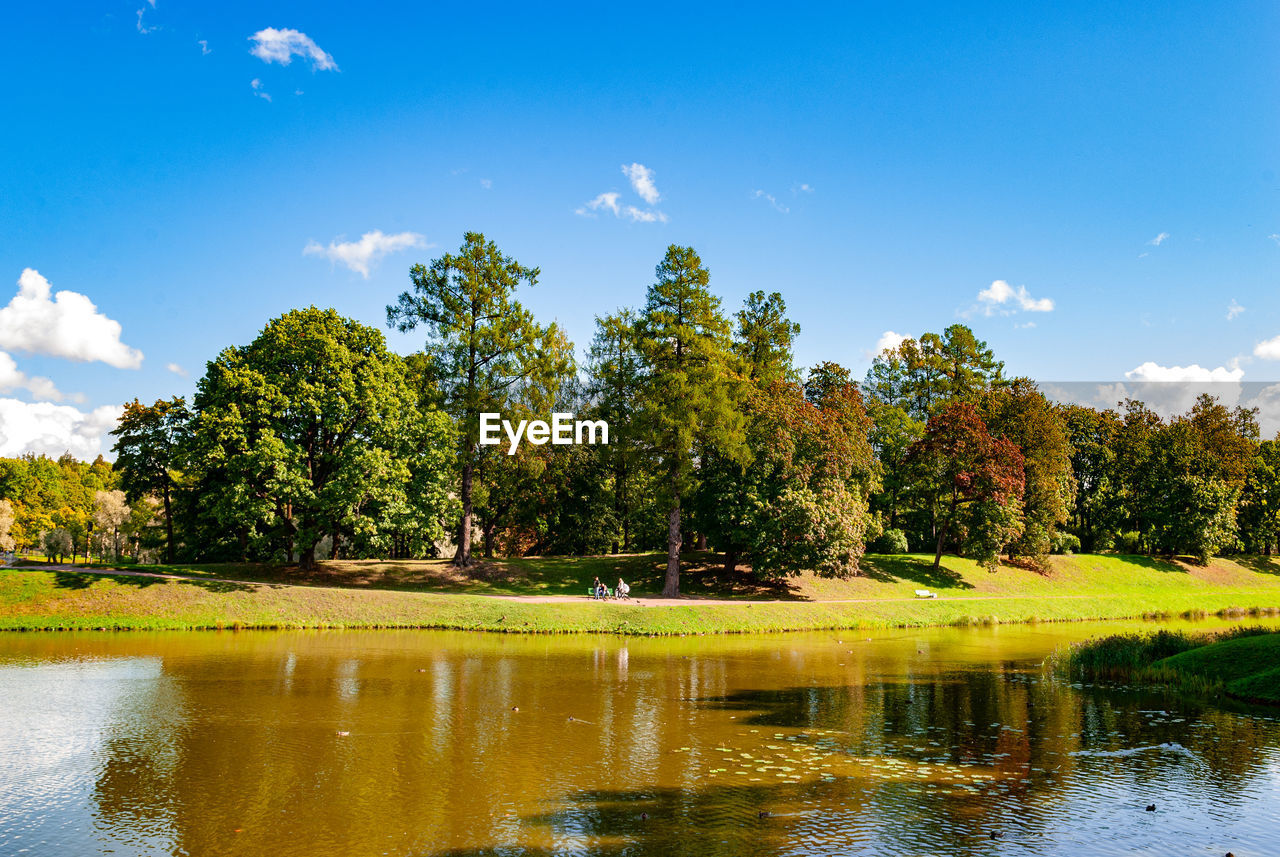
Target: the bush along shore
pixel 1240 663
pixel 547 595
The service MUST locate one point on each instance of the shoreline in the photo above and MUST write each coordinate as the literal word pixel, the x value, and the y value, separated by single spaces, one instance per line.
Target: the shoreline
pixel 64 598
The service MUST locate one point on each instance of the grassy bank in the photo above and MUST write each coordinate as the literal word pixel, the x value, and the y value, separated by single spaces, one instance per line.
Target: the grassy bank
pixel 1243 663
pixel 432 595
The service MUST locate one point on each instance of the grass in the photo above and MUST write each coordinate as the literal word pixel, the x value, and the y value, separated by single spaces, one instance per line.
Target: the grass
pixel 430 594
pixel 1243 663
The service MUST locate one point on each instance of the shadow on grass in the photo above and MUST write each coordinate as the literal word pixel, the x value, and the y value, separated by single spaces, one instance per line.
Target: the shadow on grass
pixel 1260 564
pixel 891 569
pixel 1154 563
pixel 77 580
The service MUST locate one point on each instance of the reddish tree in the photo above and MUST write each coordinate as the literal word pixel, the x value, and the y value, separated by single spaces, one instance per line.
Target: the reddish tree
pixel 976 482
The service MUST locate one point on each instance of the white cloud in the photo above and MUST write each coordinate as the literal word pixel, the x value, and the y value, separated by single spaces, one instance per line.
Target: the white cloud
pixel 639 215
pixel 364 254
pixel 1233 310
pixel 143 28
pixel 272 45
pixel 607 201
pixel 44 428
pixel 1005 299
pixel 1194 373
pixel 1267 401
pixel 487 184
pixel 67 326
pixel 12 378
pixel 771 199
pixel 204 47
pixel 641 178
pixel 1275 236
pixel 256 85
pixel 176 369
pixel 1159 239
pixel 1268 349
pixel 889 339
pixel 803 188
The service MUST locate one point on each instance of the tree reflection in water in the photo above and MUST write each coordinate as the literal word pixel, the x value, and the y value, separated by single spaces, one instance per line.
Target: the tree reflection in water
pixel 450 744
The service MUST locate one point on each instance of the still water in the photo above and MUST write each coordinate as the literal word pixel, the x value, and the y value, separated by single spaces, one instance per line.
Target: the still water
pixel 425 743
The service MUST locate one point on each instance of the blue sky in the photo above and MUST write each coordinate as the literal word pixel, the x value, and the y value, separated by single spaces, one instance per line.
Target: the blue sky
pixel 881 165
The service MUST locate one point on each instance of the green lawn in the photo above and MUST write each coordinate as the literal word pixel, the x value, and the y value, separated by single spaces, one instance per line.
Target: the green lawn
pixel 430 594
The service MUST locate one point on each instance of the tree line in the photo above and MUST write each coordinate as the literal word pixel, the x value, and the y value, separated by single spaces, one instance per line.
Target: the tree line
pixel 315 440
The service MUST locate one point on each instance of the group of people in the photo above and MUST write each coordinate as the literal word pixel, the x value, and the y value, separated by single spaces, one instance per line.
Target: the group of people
pixel 599 590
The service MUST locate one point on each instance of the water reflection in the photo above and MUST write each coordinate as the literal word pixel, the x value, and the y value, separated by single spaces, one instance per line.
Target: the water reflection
pixel 403 743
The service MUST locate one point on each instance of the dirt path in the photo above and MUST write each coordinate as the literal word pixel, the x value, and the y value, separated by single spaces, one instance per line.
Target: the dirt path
pixel 541 599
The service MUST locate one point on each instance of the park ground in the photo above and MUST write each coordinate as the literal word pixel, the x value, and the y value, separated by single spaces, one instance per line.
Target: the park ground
pixel 549 595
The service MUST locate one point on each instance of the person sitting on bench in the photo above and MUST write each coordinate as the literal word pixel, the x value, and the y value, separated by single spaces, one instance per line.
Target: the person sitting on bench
pixel 599 589
pixel 623 591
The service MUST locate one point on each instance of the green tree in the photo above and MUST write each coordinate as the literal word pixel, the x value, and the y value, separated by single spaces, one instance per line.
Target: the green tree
pixel 148 441
pixel 1096 511
pixel 1020 412
pixel 688 395
pixel 615 374
pixel 1259 516
pixel 481 342
pixel 763 338
pixel 304 432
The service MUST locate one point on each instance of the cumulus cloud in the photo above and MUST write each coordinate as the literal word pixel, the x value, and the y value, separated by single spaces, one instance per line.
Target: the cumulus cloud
pixel 1233 310
pixel 360 256
pixel 1268 349
pixel 42 389
pixel 48 429
pixel 1003 299
pixel 256 86
pixel 641 178
pixel 487 184
pixel 204 47
pixel 68 325
pixel 887 341
pixel 272 45
pixel 1194 373
pixel 772 200
pixel 803 188
pixel 1159 239
pixel 176 369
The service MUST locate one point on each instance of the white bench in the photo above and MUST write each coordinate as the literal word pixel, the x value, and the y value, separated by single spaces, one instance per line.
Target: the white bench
pixel 924 593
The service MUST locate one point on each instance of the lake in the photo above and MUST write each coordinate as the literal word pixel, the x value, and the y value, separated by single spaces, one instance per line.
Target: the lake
pixel 908 742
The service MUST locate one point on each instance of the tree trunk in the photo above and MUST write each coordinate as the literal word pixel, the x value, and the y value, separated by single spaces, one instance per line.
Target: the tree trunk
pixel 613 548
pixel 671 589
pixel 702 542
pixel 462 558
pixel 730 560
pixel 307 559
pixel 168 525
pixel 488 540
pixel 336 538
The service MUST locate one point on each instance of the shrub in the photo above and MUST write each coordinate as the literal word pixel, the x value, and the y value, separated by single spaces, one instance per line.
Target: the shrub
pixel 1065 543
pixel 891 541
